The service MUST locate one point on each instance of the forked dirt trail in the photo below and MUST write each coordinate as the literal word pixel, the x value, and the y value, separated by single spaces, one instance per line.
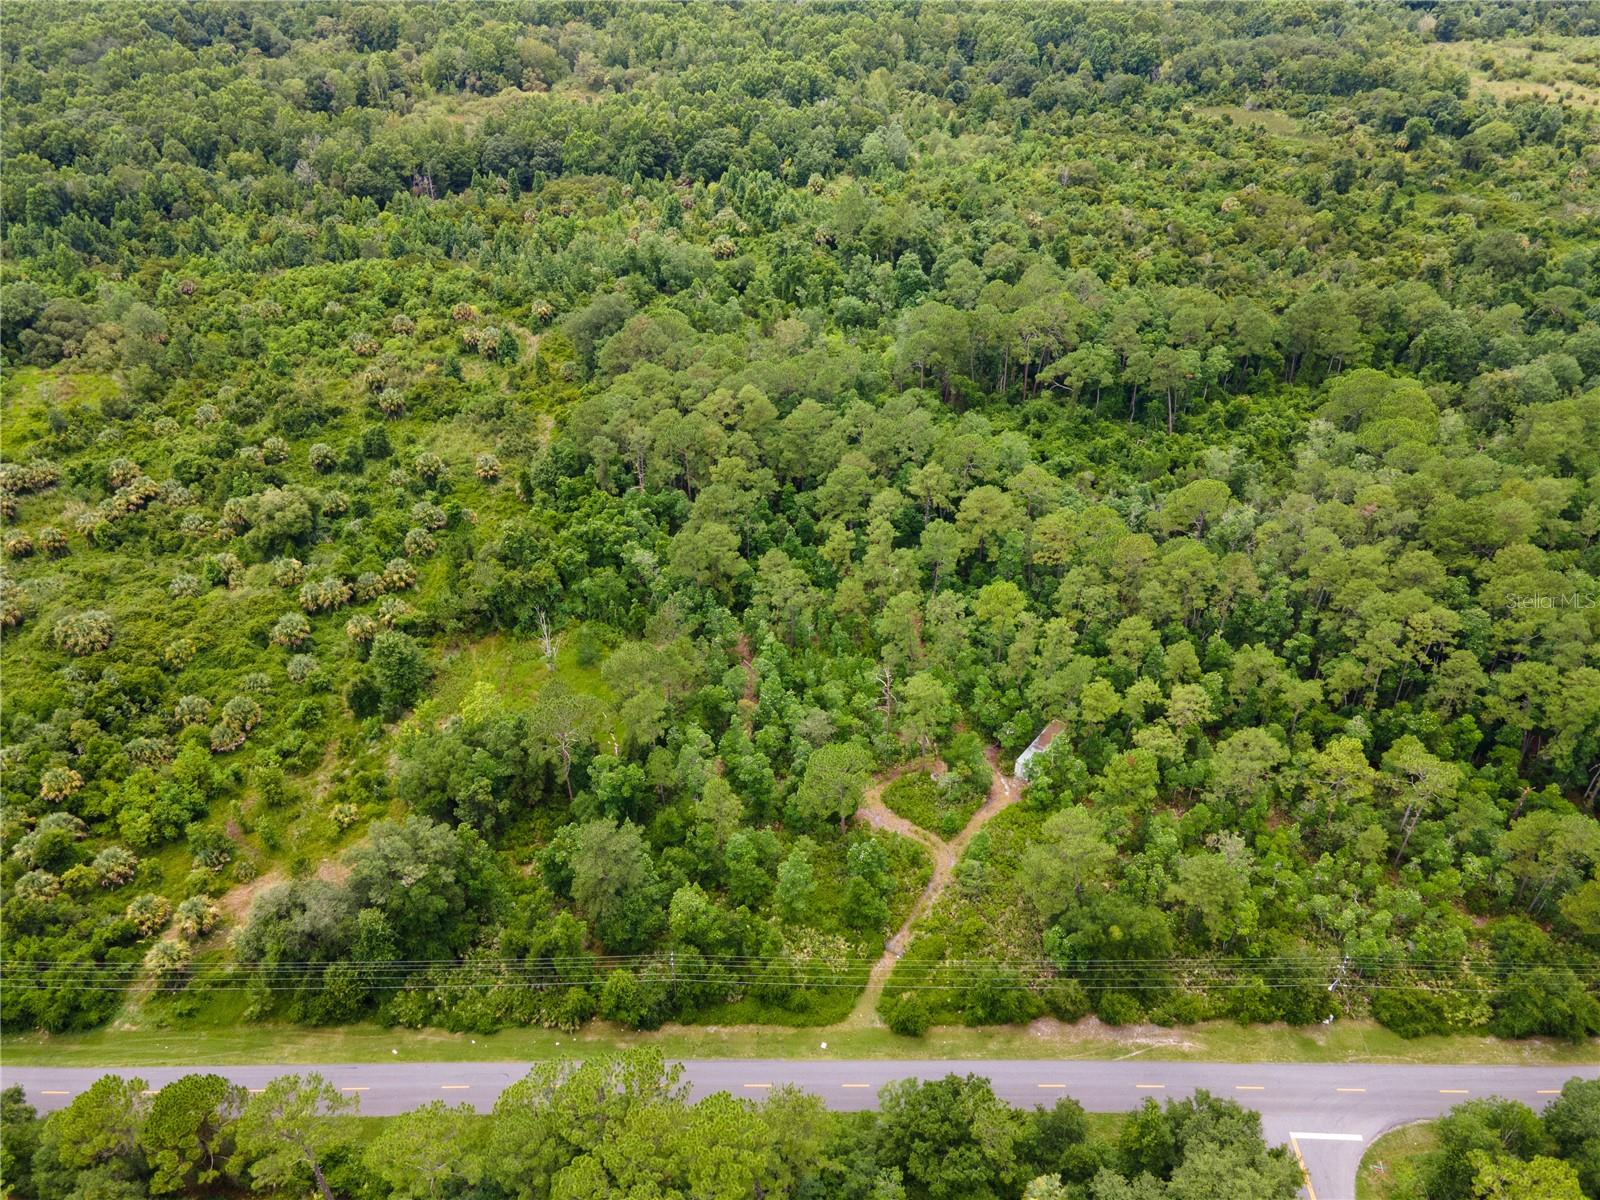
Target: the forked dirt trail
pixel 1004 791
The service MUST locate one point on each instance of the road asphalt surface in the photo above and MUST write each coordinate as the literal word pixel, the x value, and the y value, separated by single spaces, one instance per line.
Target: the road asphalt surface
pixel 1327 1113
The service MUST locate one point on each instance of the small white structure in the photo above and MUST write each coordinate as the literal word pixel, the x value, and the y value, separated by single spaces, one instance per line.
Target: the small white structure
pixel 1037 746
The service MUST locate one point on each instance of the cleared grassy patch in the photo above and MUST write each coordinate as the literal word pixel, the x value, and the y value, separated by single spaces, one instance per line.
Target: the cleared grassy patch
pixel 131 1044
pixel 918 799
pixel 1550 68
pixel 514 668
pixel 1280 124
pixel 1390 1162
pixel 29 394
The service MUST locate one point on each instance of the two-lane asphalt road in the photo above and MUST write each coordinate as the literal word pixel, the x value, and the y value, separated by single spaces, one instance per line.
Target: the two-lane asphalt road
pixel 1327 1113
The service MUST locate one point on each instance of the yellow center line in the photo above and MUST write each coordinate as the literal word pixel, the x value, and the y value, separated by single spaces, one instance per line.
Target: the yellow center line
pixel 1548 1092
pixel 1350 1089
pixel 1453 1092
pixel 454 1087
pixel 355 1089
pixel 1149 1085
pixel 758 1085
pixel 855 1085
pixel 1300 1158
pixel 1249 1087
pixel 48 1092
pixel 1052 1085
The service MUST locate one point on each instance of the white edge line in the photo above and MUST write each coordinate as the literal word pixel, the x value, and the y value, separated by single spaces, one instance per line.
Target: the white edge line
pixel 1327 1137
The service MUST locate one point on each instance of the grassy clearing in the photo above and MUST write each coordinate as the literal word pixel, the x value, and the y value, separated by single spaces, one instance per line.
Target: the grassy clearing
pixel 132 1044
pixel 917 798
pixel 29 394
pixel 1389 1162
pixel 1280 124
pixel 1548 67
pixel 516 670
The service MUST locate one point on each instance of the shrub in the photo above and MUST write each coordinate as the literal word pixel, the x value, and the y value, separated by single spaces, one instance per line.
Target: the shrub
pixel 1117 1008
pixel 391 611
pixel 288 572
pixel 291 630
pixel 57 783
pixel 368 586
pixel 196 917
pixel 487 467
pixel 178 653
pixel 52 541
pixel 148 751
pixel 361 629
pixel 18 545
pixel 50 842
pixel 191 710
pixel 322 458
pixel 120 472
pixel 84 633
pixel 91 524
pixel 907 1014
pixel 212 849
pixel 428 515
pixel 167 958
pixel 429 465
pixel 1411 1011
pixel 398 575
pixel 419 543
pixel 241 713
pixel 399 668
pixel 33 476
pixel 135 497
pixel 1547 1001
pixel 302 667
pixel 185 585
pixel 149 913
pixel 13 604
pixel 225 738
pixel 115 866
pixel 1066 1000
pixel 36 885
pixel 224 568
pixel 324 595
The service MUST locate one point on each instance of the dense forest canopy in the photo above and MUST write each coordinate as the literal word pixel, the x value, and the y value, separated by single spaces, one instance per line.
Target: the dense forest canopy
pixel 627 1126
pixel 492 494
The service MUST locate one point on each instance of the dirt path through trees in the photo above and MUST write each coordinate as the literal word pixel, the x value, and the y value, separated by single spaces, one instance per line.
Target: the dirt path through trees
pixel 1004 791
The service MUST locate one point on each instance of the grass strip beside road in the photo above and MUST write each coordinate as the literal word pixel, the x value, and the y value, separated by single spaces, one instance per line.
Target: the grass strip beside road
pixel 1345 1042
pixel 1389 1165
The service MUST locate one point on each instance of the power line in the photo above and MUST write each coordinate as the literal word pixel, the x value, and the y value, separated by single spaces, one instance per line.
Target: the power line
pixel 737 972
